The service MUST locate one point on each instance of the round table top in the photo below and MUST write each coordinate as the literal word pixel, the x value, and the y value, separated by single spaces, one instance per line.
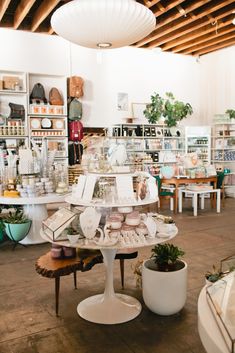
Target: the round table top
pixel 48 198
pixel 90 244
pixel 209 331
pixel 133 203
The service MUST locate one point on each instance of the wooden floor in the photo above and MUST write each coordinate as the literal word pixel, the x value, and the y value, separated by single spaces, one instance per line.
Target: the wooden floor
pixel 27 319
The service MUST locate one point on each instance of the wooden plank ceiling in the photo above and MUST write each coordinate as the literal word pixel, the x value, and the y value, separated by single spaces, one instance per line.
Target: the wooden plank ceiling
pixel 191 27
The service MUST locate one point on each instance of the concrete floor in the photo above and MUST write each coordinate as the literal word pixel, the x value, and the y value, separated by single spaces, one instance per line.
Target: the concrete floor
pixel 27 319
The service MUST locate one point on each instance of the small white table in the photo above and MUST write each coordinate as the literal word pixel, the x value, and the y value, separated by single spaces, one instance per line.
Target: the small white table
pixel 208 329
pixel 195 194
pixel 36 210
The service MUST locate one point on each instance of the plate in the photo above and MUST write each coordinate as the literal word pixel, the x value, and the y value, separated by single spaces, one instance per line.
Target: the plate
pixel 36 123
pixel 46 123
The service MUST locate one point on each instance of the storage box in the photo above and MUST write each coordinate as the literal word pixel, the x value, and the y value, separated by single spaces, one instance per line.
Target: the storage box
pixel 9 82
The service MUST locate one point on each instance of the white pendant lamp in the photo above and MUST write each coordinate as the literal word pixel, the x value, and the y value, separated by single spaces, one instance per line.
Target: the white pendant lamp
pixel 103 23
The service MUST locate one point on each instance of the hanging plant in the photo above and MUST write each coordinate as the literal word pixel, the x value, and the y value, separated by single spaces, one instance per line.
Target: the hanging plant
pixel 168 107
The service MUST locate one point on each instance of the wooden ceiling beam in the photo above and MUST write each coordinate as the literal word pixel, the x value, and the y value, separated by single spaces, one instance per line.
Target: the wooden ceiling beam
pixel 198 32
pixel 204 39
pixel 215 47
pixel 22 11
pixel 194 24
pixel 163 9
pixel 42 12
pixel 213 41
pixel 168 21
pixel 3 7
pixel 151 3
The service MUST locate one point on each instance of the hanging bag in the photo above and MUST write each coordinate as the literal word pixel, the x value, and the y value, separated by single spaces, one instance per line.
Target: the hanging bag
pixel 75 110
pixel 75 86
pixel 17 111
pixel 55 97
pixel 75 131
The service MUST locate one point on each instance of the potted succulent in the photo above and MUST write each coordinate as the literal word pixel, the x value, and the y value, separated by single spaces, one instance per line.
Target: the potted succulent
pixel 72 234
pixel 171 109
pixel 164 280
pixel 16 225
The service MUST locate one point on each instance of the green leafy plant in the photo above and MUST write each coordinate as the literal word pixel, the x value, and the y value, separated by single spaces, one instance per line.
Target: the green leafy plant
pixel 231 113
pixel 216 274
pixel 154 110
pixel 17 217
pixel 170 108
pixel 174 110
pixel 71 231
pixel 167 257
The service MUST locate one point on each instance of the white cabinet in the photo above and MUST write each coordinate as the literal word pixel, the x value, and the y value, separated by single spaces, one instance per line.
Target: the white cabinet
pixel 223 147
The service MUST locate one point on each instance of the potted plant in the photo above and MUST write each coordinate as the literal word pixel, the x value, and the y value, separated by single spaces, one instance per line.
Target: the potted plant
pixel 164 280
pixel 16 225
pixel 154 110
pixel 231 113
pixel 170 108
pixel 72 234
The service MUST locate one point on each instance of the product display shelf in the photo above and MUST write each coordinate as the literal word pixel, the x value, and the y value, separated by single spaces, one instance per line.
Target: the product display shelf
pixel 49 122
pixel 223 145
pixel 154 141
pixel 13 89
pixel 198 140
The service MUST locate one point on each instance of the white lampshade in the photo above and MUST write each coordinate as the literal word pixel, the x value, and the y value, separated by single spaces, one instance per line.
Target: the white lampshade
pixel 103 23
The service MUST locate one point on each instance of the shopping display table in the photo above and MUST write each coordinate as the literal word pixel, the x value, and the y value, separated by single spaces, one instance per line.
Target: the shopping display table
pixel 209 331
pixel 110 307
pixel 35 209
pixel 178 181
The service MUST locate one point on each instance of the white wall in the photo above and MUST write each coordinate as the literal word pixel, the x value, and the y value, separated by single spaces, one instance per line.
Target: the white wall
pixel 137 72
pixel 218 83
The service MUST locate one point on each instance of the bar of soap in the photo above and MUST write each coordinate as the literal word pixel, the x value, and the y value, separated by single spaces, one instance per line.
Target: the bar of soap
pixel 11 193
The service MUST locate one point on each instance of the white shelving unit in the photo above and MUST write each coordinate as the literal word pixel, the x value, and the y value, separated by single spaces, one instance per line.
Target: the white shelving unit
pixel 223 151
pixel 198 140
pixel 154 146
pixel 13 89
pixel 48 122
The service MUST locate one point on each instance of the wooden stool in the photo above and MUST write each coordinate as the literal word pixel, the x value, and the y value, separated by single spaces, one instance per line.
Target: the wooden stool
pixel 48 267
pixel 55 268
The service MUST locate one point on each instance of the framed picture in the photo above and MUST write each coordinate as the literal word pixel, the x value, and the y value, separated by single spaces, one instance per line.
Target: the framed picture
pixel 138 112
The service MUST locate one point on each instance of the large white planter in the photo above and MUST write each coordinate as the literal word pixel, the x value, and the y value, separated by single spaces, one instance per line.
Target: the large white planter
pixel 164 293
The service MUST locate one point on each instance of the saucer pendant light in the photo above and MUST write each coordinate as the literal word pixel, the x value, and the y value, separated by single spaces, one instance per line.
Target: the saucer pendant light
pixel 103 23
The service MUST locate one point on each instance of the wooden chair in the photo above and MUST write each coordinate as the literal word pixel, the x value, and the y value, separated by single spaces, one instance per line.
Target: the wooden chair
pixel 48 267
pixel 165 192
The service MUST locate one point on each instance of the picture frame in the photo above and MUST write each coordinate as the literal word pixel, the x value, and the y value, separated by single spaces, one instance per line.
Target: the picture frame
pixel 137 110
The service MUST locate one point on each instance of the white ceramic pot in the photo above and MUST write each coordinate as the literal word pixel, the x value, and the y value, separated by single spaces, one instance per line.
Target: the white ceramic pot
pixel 164 293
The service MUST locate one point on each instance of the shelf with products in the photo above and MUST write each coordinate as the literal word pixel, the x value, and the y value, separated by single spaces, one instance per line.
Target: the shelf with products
pixel 13 109
pixel 198 140
pixel 150 142
pixel 223 144
pixel 48 121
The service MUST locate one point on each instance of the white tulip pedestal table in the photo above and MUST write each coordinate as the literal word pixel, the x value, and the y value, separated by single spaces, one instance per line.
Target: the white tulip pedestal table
pixel 36 210
pixel 110 307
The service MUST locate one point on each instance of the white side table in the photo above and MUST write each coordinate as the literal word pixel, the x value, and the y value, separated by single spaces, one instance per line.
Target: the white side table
pixel 195 194
pixel 35 209
pixel 208 329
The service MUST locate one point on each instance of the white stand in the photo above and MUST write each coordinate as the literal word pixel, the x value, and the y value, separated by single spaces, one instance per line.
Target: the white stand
pixel 109 308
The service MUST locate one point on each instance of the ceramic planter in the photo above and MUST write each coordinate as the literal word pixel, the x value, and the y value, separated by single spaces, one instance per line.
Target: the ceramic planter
pixel 17 232
pixel 164 293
